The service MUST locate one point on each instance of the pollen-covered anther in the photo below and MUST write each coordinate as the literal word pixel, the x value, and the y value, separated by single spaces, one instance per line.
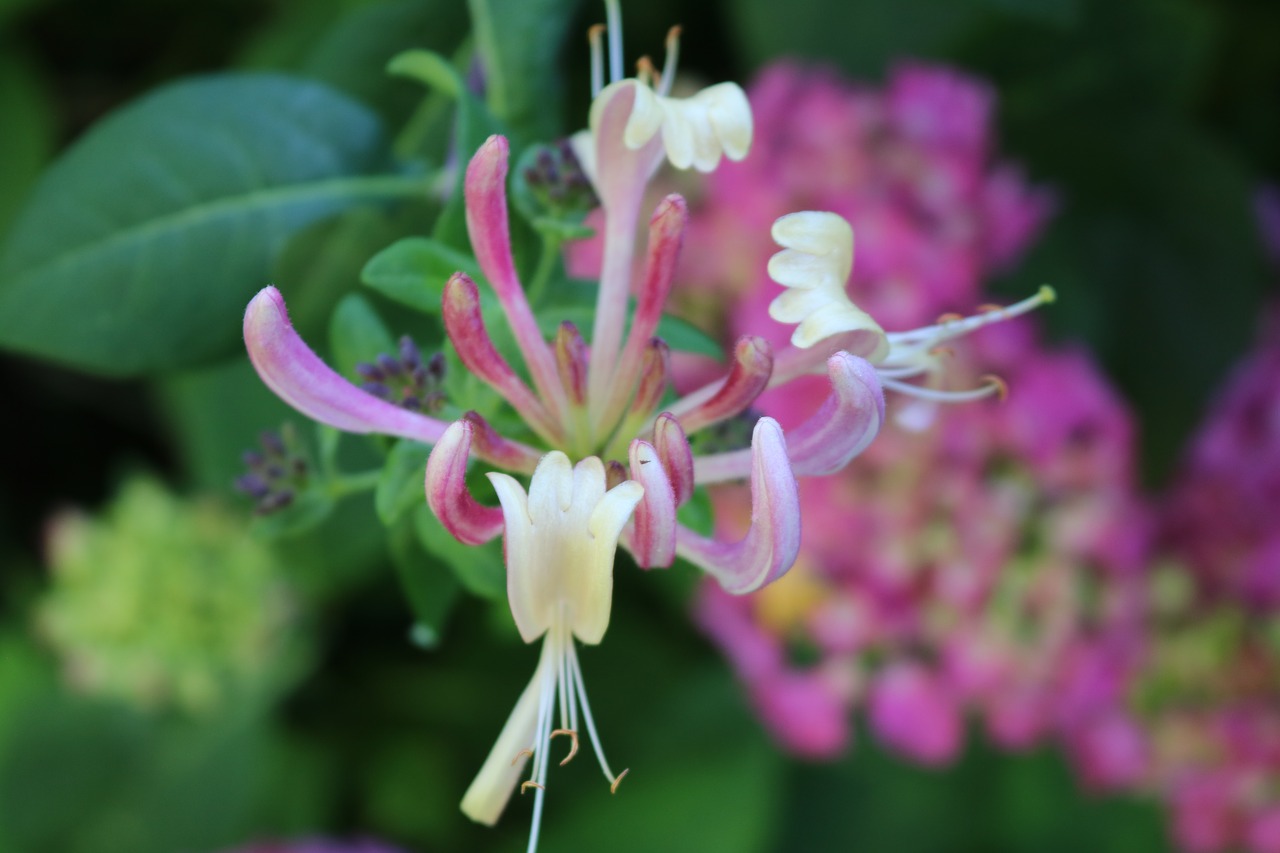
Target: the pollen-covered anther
pixel 988 307
pixel 999 387
pixel 531 784
pixel 950 317
pixel 613 788
pixel 942 351
pixel 647 72
pixel 573 743
pixel 521 756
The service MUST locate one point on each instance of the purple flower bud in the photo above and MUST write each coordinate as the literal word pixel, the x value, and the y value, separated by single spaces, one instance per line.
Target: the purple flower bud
pixel 410 357
pixel 389 365
pixel 370 372
pixel 272 443
pixel 252 485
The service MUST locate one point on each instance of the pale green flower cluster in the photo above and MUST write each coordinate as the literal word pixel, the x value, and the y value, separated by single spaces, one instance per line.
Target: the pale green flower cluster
pixel 168 603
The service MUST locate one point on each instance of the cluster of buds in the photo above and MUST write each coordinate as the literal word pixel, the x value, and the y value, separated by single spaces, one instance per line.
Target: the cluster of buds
pixel 608 458
pixel 406 381
pixel 276 473
pixel 557 180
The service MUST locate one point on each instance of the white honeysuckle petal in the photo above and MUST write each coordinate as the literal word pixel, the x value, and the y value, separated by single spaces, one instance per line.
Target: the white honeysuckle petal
pixel 793 268
pixel 583 144
pixel 814 264
pixel 647 114
pixel 816 232
pixel 560 543
pixel 730 115
pixel 488 794
pixel 793 306
pixel 696 131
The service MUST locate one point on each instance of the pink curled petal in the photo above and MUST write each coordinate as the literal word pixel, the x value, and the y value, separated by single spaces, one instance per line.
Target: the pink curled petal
pixel 747 379
pixel 666 234
pixel 846 422
pixel 486 194
pixel 298 376
pixel 675 454
pixel 772 542
pixel 491 446
pixel 571 362
pixel 465 326
pixel 446 483
pixel 653 377
pixel 653 533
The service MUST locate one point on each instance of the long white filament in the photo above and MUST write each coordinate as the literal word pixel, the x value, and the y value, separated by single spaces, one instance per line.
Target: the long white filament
pixel 562 685
pixel 613 19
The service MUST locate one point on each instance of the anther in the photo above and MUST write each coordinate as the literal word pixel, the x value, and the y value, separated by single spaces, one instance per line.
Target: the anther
pixel 949 317
pixel 595 36
pixel 947 351
pixel 613 788
pixel 531 784
pixel 669 65
pixel 646 72
pixel 573 747
pixel 522 754
pixel 988 307
pixel 1001 387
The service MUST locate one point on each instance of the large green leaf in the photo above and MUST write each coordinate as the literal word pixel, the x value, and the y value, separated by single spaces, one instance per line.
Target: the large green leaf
pixel 520 41
pixel 27 141
pixel 140 247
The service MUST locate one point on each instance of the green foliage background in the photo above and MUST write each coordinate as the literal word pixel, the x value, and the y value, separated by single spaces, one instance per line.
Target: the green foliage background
pixel 1154 119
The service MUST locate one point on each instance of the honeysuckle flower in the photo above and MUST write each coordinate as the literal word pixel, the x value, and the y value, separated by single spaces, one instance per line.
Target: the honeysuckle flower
pixel 601 403
pixel 814 265
pixel 560 540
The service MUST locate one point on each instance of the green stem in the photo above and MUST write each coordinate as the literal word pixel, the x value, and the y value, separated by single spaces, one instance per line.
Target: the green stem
pixel 348 484
pixel 546 266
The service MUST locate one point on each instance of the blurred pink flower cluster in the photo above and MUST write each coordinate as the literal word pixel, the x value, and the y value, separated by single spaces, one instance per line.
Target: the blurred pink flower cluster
pixel 1212 685
pixel 987 562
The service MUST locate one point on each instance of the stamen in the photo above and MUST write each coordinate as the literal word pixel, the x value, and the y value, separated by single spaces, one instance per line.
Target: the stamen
pixel 994 386
pixel 613 17
pixel 952 326
pixel 594 34
pixel 531 784
pixel 669 65
pixel 988 307
pixel 949 317
pixel 646 73
pixel 522 754
pixel 1002 387
pixel 947 351
pixel 586 716
pixel 613 788
pixel 573 747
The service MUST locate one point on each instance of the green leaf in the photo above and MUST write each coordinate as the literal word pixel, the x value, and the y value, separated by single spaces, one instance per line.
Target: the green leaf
pixel 322 263
pixel 308 510
pixel 479 568
pixel 353 54
pixel 357 334
pixel 413 272
pixel 27 141
pixel 474 124
pixel 430 587
pixel 520 41
pixel 401 485
pixel 140 247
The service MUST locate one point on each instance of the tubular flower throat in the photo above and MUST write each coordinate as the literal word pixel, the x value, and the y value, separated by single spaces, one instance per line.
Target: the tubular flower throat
pixel 603 404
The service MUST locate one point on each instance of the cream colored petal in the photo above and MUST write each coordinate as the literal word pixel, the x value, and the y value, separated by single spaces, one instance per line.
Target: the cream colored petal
pixel 488 794
pixel 647 115
pixel 730 116
pixel 592 593
pixel 530 606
